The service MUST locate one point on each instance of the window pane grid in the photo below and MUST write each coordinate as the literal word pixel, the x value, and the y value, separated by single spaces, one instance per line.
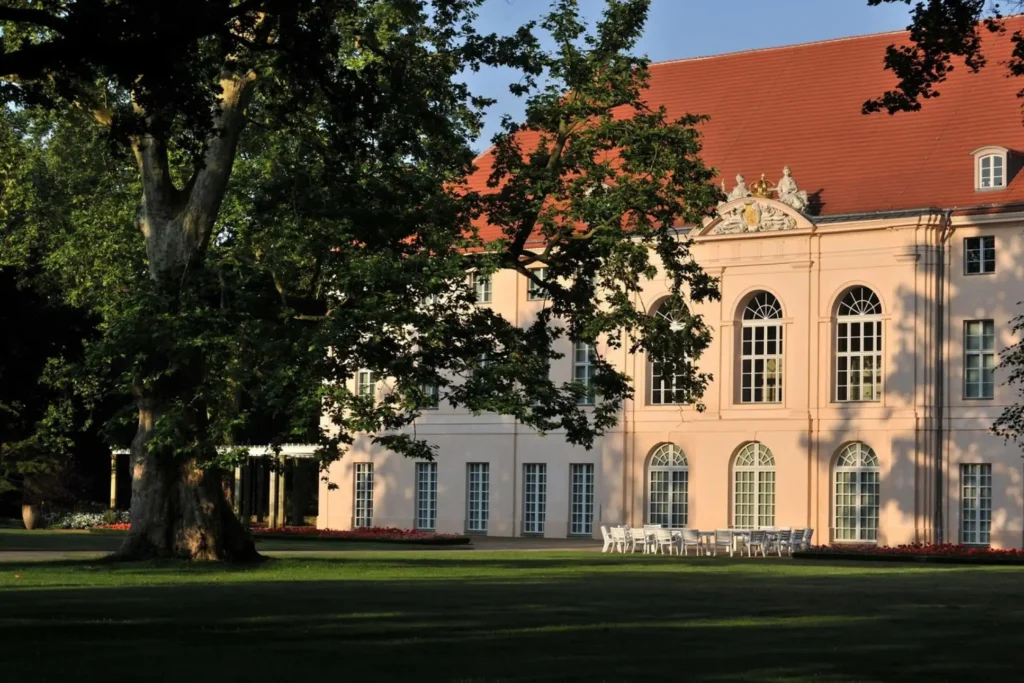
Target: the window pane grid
pixel 856 494
pixel 364 495
pixel 482 288
pixel 754 488
pixel 535 485
pixel 364 382
pixel 668 487
pixel 583 370
pixel 426 496
pixel 979 359
pixel 478 482
pixel 979 255
pixel 581 519
pixel 535 292
pixel 976 504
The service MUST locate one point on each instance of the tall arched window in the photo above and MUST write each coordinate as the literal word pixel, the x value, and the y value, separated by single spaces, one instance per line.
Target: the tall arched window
pixel 668 487
pixel 855 487
pixel 761 350
pixel 753 475
pixel 859 346
pixel 666 388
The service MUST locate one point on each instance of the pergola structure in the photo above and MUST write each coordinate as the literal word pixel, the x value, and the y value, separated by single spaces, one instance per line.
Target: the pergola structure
pixel 263 486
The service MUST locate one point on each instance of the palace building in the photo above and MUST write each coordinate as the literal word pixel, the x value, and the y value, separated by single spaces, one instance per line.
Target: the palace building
pixel 867 290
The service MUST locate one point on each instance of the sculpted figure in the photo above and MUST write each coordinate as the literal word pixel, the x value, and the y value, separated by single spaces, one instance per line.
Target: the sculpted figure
pixel 740 191
pixel 788 192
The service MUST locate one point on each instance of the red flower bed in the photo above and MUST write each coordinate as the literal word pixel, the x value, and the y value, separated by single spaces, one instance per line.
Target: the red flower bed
pixel 943 549
pixel 916 552
pixel 120 526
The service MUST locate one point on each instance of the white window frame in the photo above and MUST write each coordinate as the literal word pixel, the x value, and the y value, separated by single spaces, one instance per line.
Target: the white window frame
pixel 665 388
pixel 363 497
pixel 583 370
pixel 535 292
pixel 482 287
pixel 753 477
pixel 991 172
pixel 581 499
pixel 976 503
pixel 478 497
pixel 856 500
pixel 432 395
pixel 762 318
pixel 535 498
pixel 858 325
pixel 668 487
pixel 979 360
pixel 366 383
pixel 426 496
pixel 983 250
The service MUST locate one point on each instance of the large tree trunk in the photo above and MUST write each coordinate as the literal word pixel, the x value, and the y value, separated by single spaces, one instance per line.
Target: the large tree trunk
pixel 179 510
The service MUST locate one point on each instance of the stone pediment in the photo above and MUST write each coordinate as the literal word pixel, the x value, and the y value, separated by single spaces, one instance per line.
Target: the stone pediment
pixel 755 214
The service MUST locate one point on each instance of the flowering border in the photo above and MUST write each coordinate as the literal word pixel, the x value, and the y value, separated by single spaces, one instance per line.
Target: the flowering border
pixel 939 553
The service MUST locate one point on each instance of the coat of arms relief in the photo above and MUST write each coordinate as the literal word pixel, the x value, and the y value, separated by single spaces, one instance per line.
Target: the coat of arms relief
pixel 754 216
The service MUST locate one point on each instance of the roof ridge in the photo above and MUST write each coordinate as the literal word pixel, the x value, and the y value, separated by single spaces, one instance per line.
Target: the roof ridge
pixel 773 48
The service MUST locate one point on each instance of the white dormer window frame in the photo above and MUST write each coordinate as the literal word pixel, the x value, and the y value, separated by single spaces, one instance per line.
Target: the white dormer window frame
pixel 991 168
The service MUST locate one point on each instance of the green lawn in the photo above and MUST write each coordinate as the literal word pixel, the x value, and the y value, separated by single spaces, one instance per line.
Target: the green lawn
pixel 509 616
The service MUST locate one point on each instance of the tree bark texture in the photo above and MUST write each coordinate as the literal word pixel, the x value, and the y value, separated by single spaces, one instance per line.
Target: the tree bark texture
pixel 180 510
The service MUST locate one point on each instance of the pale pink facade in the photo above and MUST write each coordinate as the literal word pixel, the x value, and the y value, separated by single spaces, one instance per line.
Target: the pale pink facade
pixel 913 262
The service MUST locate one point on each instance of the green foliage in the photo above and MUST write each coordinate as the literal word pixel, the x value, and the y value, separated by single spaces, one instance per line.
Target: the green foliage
pixel 345 236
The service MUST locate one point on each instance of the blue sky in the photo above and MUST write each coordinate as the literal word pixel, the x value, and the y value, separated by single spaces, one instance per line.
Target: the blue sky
pixel 690 28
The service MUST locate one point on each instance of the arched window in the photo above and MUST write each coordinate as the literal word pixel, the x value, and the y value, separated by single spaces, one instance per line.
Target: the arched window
pixel 855 487
pixel 761 350
pixel 666 388
pixel 859 346
pixel 753 475
pixel 668 487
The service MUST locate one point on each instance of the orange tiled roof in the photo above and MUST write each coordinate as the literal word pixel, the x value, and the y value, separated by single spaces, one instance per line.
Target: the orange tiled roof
pixel 801 105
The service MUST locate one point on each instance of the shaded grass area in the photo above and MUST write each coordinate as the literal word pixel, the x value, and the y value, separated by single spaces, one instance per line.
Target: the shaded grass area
pixel 510 616
pixel 64 540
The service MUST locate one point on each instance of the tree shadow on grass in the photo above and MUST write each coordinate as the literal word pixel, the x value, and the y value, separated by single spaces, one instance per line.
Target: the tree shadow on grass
pixel 508 619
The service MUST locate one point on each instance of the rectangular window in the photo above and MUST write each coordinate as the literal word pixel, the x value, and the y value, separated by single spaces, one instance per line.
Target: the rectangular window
pixel 535 292
pixel 666 388
pixel 364 495
pixel 761 363
pixel 858 359
pixel 365 383
pixel 581 508
pixel 482 288
pixel 583 370
pixel 478 496
pixel 979 359
pixel 430 395
pixel 979 255
pixel 426 495
pixel 535 497
pixel 975 504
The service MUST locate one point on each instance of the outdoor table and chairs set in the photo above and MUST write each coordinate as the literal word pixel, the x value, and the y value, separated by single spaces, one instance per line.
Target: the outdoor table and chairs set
pixel 652 538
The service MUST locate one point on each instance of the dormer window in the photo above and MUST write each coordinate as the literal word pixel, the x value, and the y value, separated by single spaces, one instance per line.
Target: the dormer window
pixel 991 171
pixel 991 168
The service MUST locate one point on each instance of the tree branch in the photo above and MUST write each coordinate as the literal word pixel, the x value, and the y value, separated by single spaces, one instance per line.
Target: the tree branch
pixel 33 16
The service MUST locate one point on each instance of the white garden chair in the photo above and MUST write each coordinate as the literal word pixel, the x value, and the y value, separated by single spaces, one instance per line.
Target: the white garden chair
pixel 782 540
pixel 606 536
pixel 639 538
pixel 619 538
pixel 663 541
pixel 723 539
pixel 808 532
pixel 690 539
pixel 796 541
pixel 758 541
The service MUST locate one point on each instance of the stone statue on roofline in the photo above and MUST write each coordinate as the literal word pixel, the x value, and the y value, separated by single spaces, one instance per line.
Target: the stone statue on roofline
pixel 738 192
pixel 788 193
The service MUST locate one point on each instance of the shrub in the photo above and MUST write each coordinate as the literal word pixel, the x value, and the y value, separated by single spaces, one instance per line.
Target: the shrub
pixel 85 520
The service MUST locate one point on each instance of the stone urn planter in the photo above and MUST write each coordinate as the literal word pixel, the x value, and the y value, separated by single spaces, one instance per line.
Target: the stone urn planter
pixel 30 516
